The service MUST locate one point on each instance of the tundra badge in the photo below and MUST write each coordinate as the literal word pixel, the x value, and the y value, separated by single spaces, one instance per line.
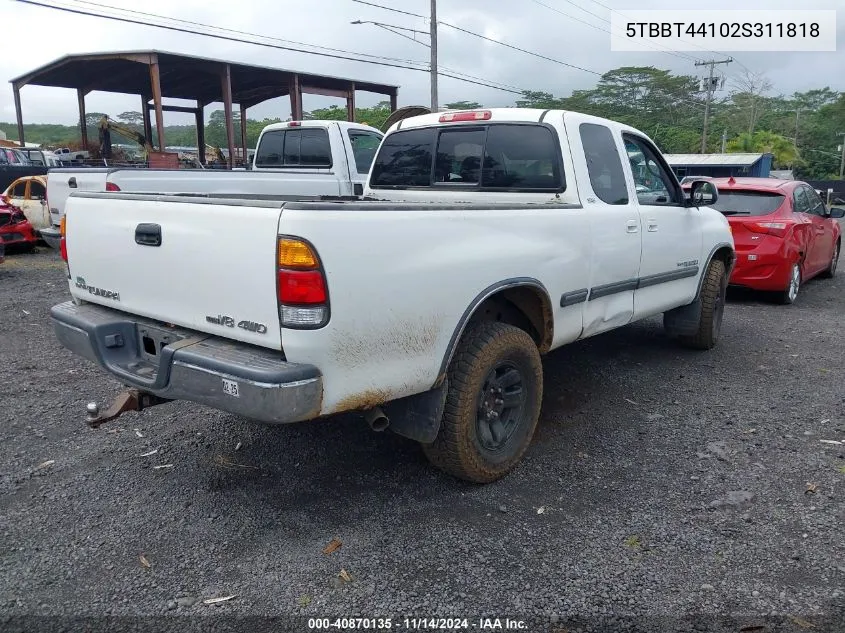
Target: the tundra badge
pixel 99 292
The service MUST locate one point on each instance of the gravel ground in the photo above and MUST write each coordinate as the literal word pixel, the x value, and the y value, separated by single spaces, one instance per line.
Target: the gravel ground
pixel 662 484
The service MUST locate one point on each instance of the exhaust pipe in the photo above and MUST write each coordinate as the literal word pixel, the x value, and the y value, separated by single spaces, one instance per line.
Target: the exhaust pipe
pixel 376 418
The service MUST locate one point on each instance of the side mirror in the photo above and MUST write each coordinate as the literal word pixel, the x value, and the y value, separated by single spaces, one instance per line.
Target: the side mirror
pixel 837 212
pixel 702 193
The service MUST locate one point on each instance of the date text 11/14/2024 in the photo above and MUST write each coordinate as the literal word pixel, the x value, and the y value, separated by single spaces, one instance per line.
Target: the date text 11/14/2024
pixel 447 624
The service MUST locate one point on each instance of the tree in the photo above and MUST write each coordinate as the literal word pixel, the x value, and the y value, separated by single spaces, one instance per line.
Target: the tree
pixel 538 99
pixel 131 118
pixel 749 96
pixel 92 119
pixel 783 150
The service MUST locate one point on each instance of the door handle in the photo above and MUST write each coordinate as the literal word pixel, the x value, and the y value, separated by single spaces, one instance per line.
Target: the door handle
pixel 652 225
pixel 148 235
pixel 72 182
pixel 632 226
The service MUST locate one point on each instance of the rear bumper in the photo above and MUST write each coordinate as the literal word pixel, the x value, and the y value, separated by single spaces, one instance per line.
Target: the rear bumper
pixel 769 270
pixel 180 364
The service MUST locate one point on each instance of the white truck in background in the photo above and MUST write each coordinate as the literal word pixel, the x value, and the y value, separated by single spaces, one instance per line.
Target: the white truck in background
pixel 485 239
pixel 296 158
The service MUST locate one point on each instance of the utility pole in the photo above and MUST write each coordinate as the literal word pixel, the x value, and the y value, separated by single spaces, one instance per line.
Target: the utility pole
pixel 842 160
pixel 724 140
pixel 433 21
pixel 711 63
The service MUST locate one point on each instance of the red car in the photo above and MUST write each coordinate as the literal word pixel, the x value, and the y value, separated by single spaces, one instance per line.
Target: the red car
pixel 783 233
pixel 15 229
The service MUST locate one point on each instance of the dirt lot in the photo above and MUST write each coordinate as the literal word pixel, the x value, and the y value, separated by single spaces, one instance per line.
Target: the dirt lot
pixel 662 483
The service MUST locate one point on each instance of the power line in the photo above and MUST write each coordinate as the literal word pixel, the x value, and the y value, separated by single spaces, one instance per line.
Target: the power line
pixel 483 37
pixel 178 29
pixel 251 34
pixel 416 15
pixel 598 28
pixel 551 59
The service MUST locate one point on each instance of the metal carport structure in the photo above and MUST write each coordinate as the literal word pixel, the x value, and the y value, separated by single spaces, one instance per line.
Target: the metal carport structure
pixel 155 75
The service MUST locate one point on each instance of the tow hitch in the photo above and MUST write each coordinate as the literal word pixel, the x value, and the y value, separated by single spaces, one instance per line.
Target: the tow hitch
pixel 129 400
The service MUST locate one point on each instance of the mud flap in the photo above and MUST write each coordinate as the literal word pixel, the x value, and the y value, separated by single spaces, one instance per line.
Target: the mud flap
pixel 683 321
pixel 417 417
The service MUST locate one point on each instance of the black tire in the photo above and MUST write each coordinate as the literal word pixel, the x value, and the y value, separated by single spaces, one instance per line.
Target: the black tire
pixel 831 270
pixel 474 444
pixel 790 293
pixel 712 298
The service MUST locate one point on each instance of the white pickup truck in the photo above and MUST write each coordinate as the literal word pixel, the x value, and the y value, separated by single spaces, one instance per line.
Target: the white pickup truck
pixel 485 239
pixel 303 158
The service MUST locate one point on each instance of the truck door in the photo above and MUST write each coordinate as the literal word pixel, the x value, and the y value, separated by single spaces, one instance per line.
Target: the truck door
pixel 671 262
pixel 615 236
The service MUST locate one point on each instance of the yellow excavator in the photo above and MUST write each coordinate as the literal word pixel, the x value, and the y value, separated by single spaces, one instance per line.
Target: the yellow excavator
pixel 218 153
pixel 107 126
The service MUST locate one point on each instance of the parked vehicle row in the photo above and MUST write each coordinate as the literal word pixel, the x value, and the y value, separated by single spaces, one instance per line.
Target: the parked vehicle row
pixel 305 158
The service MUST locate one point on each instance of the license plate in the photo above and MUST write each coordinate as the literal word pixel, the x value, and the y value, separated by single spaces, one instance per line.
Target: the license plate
pixel 230 388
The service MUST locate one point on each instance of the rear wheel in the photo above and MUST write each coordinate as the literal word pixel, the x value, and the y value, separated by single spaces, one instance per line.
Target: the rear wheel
pixel 712 299
pixel 790 294
pixel 495 385
pixel 831 270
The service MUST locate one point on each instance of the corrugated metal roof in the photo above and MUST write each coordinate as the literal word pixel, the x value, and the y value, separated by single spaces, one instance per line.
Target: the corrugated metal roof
pixel 737 160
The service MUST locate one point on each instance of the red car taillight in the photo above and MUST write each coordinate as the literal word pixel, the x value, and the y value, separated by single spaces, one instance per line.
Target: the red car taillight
pixel 778 229
pixel 110 186
pixel 302 294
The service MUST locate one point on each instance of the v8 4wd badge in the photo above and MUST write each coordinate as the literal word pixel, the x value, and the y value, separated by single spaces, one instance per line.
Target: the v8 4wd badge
pixel 227 321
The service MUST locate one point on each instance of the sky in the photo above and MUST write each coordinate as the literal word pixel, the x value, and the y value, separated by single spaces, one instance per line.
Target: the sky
pixel 35 36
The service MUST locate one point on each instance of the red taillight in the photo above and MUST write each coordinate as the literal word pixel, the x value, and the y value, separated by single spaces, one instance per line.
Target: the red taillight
pixel 294 123
pixel 778 229
pixel 451 117
pixel 110 186
pixel 63 233
pixel 301 287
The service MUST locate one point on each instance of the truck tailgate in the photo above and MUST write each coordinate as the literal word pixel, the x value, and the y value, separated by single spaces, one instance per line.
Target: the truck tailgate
pixel 62 182
pixel 213 271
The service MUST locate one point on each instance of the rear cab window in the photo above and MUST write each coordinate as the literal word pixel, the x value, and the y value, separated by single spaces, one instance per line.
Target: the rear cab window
pixel 747 202
pixel 492 157
pixel 295 147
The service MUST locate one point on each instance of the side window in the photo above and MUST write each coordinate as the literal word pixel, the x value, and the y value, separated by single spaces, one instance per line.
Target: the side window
pixel 36 190
pixel 603 163
pixel 404 159
pixel 269 152
pixel 816 205
pixel 19 189
pixel 800 202
pixel 653 182
pixel 459 156
pixel 364 146
pixel 524 157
